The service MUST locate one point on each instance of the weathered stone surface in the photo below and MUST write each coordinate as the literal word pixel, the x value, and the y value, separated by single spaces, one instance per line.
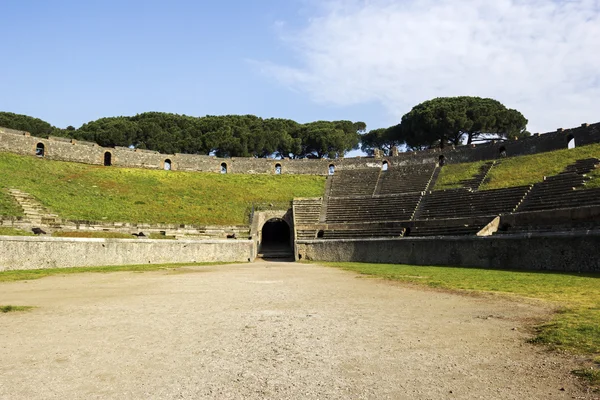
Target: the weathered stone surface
pixel 575 252
pixel 72 150
pixel 40 252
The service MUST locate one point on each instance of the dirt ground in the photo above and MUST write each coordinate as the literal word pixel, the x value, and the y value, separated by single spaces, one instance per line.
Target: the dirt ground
pixel 267 330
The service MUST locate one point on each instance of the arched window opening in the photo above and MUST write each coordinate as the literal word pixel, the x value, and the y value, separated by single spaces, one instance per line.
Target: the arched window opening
pixel 167 165
pixel 502 151
pixel 40 150
pixel 441 160
pixel 278 169
pixel 384 166
pixel 107 159
pixel 331 169
pixel 571 142
pixel 320 234
pixel 223 168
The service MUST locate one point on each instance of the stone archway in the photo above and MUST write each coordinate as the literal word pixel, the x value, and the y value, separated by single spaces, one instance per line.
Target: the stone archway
pixel 276 239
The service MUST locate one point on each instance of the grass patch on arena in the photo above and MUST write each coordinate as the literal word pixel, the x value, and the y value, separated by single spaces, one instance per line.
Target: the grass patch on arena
pixel 11 308
pixel 9 231
pixel 450 176
pixel 575 327
pixel 530 169
pixel 97 193
pixel 8 205
pixel 98 235
pixel 21 275
pixel 108 235
pixel 519 171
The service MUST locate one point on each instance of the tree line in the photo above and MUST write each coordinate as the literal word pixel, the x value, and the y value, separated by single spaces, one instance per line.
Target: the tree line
pixel 434 123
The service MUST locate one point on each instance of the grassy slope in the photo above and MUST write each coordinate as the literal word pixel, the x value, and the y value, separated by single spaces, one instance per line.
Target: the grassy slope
pixel 87 192
pixel 575 328
pixel 523 170
pixel 8 205
pixel 451 175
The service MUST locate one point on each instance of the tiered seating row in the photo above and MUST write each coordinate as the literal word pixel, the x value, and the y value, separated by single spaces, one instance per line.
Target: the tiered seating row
pixel 565 220
pixel 365 232
pixel 478 179
pixel 307 211
pixel 372 209
pixel 559 191
pixel 354 182
pixel 405 179
pixel 306 234
pixel 456 203
pixel 447 227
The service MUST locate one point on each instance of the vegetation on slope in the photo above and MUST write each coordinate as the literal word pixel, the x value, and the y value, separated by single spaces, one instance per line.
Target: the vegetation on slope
pixel 522 170
pixel 8 205
pixel 575 328
pixel 452 175
pixel 87 192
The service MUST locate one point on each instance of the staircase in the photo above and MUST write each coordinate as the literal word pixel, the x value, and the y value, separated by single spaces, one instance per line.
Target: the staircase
pixel 476 181
pixel 33 210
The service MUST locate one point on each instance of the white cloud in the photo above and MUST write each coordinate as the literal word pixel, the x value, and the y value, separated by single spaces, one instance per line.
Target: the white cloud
pixel 541 57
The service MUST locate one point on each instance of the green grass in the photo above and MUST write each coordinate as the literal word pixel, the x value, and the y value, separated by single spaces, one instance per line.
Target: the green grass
pixel 526 170
pixel 10 308
pixel 8 205
pixel 8 231
pixel 595 181
pixel 101 235
pixel 451 175
pixel 576 328
pixel 97 193
pixel 20 275
pixel 590 374
pixel 518 171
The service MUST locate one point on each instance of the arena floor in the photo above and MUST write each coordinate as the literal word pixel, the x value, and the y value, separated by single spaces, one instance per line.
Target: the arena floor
pixel 267 330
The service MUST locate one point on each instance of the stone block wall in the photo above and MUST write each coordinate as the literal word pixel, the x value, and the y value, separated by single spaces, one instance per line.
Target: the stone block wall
pixel 41 252
pixel 20 142
pixel 571 252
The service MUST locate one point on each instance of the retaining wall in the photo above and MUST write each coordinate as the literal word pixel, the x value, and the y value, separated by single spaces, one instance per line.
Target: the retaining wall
pixel 57 148
pixel 553 252
pixel 39 252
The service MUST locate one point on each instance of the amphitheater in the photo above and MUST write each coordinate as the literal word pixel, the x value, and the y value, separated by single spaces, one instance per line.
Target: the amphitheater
pixel 374 209
pixel 263 326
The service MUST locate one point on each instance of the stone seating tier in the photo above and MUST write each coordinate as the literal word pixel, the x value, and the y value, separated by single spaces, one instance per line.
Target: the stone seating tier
pixel 306 234
pixel 554 220
pixel 363 233
pixel 558 191
pixel 464 203
pixel 582 166
pixel 354 183
pixel 447 227
pixel 478 179
pixel 405 179
pixel 544 200
pixel 371 209
pixel 307 211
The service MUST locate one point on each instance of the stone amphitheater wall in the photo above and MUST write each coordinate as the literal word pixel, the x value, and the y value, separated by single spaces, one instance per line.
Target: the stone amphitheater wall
pixel 64 149
pixel 568 252
pixel 42 252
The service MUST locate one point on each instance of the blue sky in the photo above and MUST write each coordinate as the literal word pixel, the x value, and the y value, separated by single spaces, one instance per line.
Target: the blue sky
pixel 69 62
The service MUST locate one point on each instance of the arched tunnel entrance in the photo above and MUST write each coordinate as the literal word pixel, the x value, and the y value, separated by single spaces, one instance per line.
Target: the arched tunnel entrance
pixel 276 239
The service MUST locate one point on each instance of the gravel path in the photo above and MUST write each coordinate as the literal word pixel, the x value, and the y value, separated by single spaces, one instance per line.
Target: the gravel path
pixel 267 330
